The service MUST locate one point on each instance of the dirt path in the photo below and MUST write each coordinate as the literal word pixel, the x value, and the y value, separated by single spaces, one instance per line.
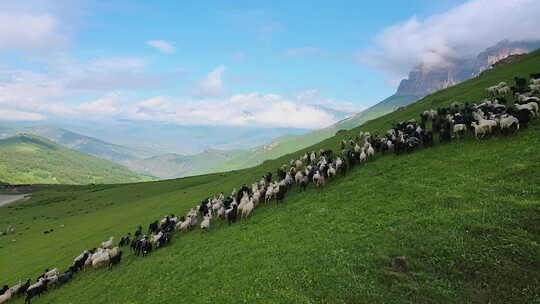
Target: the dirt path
pixel 6 199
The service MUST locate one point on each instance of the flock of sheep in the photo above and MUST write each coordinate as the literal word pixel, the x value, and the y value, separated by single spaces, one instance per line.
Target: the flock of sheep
pixel 482 119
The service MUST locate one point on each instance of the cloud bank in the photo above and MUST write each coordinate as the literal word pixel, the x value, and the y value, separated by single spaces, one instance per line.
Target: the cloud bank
pixel 460 32
pixel 162 45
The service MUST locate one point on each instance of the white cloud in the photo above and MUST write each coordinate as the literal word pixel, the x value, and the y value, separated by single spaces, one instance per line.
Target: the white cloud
pixel 162 45
pixel 304 51
pixel 106 106
pixel 462 31
pixel 20 30
pixel 255 109
pixel 14 115
pixel 212 85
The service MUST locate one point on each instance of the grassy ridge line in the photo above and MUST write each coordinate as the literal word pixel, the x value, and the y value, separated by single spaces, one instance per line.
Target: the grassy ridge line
pixel 238 177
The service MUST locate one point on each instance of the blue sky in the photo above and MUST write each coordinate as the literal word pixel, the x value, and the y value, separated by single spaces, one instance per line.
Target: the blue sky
pixel 270 63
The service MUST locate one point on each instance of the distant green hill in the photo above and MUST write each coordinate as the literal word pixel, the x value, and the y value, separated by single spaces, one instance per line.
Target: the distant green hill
pixel 174 165
pixel 26 159
pixel 78 142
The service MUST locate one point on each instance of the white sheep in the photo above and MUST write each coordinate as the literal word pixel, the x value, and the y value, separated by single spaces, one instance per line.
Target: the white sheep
pixel 205 224
pixel 298 164
pixel 248 208
pixel 101 259
pixel 459 129
pixel 370 152
pixel 507 122
pixel 298 177
pixel 6 296
pixel 332 171
pixel 480 130
pixel 504 90
pixel 363 156
pixel 107 244
pixel 318 179
pixel 531 106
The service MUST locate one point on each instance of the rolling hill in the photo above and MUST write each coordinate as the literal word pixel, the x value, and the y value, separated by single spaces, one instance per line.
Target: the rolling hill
pixel 74 141
pixel 30 159
pixel 175 165
pixel 464 216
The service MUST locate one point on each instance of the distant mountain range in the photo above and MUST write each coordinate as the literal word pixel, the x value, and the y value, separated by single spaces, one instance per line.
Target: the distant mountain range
pixel 32 159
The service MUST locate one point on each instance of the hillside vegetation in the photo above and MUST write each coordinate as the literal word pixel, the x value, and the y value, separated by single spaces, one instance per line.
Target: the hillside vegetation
pixel 465 215
pixel 28 159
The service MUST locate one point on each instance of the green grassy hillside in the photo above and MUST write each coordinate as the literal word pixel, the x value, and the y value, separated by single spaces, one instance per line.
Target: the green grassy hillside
pixel 465 215
pixel 31 159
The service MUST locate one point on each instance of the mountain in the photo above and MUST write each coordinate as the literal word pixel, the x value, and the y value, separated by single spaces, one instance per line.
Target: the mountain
pixel 424 80
pixel 74 141
pixel 32 159
pixel 174 165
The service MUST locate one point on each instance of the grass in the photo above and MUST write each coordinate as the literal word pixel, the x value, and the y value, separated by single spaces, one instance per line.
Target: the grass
pixel 465 215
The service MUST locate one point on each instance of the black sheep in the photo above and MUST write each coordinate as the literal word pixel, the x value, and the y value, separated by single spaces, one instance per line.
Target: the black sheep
pixel 79 264
pixel 4 289
pixel 65 277
pixel 282 190
pixel 115 260
pixel 231 215
pixel 36 291
pixel 524 116
pixel 153 227
pixel 22 290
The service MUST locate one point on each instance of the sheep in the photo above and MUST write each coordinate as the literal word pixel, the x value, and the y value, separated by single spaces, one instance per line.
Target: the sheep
pixel 115 260
pixel 370 152
pixel 534 88
pixel 332 171
pixel 248 208
pixel 36 290
pixel 363 156
pixel 507 123
pixel 114 252
pixel 101 259
pixel 531 106
pixel 492 90
pixel 51 273
pixel 205 224
pixel 318 179
pixel 6 296
pixel 460 129
pixel 298 164
pixel 480 130
pixel 504 90
pixel 107 244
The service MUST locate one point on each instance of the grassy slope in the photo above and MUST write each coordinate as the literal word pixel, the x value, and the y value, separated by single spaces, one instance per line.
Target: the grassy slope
pixel 465 215
pixel 31 159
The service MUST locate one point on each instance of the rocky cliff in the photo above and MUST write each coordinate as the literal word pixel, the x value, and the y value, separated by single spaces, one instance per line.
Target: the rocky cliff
pixel 424 80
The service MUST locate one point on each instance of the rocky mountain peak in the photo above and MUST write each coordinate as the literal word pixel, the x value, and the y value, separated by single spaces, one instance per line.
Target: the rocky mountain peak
pixel 424 80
